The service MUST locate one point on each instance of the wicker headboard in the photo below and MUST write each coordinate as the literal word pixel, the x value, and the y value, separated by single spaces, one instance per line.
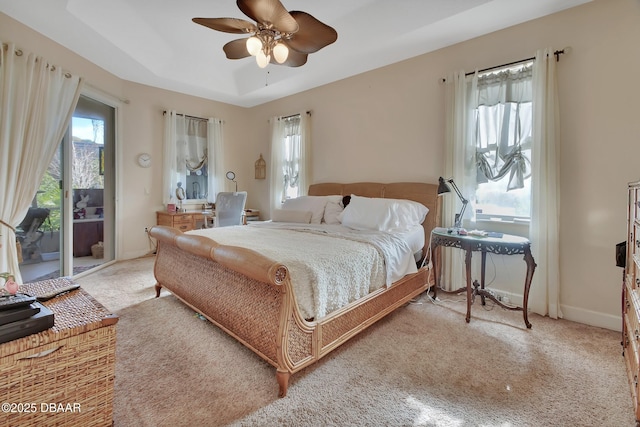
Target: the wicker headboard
pixel 427 194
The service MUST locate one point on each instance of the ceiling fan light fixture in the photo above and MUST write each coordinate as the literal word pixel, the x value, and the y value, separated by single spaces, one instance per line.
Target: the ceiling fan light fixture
pixel 278 35
pixel 280 52
pixel 254 45
pixel 262 60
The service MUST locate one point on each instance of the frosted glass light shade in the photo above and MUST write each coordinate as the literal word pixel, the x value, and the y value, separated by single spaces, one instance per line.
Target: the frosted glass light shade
pixel 254 45
pixel 280 53
pixel 262 59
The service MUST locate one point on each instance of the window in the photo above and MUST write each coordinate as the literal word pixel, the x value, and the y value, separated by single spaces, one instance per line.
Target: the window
pixel 191 165
pixel 506 94
pixel 290 157
pixel 88 143
pixel 502 124
pixel 192 170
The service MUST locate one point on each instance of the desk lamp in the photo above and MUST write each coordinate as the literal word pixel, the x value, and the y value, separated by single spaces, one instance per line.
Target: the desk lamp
pixel 444 188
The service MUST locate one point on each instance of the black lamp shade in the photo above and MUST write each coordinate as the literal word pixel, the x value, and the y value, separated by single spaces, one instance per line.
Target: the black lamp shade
pixel 443 187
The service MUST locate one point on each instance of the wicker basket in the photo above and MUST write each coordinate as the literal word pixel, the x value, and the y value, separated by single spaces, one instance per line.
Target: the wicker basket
pixel 64 375
pixel 97 250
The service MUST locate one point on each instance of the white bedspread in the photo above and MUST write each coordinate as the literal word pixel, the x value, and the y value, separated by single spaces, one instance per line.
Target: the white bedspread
pixel 330 265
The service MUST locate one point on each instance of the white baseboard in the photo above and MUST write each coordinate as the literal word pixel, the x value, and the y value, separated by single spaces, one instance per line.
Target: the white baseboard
pixel 593 318
pixel 580 315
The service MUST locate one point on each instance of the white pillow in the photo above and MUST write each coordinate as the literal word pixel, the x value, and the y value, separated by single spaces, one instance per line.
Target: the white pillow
pixel 313 204
pixel 365 213
pixel 289 215
pixel 331 212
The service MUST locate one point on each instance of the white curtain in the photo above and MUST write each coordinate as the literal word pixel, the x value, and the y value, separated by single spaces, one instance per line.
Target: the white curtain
pixel 459 165
pixel 169 158
pixel 503 126
pixel 215 142
pixel 290 169
pixel 277 159
pixel 190 144
pixel 37 100
pixel 304 179
pixel 545 188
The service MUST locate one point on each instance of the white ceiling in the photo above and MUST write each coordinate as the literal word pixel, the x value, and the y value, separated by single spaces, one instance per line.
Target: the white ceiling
pixel 154 42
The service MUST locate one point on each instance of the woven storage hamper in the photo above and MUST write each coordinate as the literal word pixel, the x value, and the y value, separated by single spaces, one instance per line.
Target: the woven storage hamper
pixel 63 376
pixel 97 250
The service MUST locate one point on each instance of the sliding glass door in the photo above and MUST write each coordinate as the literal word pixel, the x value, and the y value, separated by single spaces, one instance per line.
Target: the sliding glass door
pixel 69 228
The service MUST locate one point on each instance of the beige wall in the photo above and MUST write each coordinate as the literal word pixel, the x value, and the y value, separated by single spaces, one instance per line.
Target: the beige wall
pixel 388 125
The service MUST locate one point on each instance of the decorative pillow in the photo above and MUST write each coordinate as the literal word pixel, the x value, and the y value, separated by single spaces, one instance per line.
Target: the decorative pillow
pixel 365 213
pixel 331 212
pixel 290 215
pixel 313 204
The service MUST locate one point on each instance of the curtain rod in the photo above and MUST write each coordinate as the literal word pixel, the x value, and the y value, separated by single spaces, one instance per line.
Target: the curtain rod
pixel 293 115
pixel 186 115
pixel 557 53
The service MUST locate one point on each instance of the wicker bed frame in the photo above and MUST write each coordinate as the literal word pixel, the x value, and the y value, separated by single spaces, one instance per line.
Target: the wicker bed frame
pixel 263 315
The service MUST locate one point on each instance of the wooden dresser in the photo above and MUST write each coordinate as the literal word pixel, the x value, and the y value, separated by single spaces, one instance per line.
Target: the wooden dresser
pixel 183 221
pixel 631 297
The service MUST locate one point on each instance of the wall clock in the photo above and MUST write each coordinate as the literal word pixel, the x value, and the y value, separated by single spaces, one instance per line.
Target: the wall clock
pixel 144 160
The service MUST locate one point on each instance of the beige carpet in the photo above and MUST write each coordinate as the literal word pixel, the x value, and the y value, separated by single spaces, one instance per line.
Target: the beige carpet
pixel 421 366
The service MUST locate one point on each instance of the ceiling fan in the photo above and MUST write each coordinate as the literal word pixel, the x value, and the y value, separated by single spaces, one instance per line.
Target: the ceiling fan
pixel 278 36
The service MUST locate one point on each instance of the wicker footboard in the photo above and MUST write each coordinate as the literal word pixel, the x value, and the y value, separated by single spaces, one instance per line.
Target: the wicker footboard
pixel 251 298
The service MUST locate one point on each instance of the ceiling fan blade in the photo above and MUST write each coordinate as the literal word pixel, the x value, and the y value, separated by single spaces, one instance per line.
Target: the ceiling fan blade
pixel 295 59
pixel 312 36
pixel 227 25
pixel 236 49
pixel 270 13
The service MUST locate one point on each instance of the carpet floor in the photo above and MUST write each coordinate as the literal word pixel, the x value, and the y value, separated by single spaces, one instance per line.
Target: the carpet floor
pixel 420 366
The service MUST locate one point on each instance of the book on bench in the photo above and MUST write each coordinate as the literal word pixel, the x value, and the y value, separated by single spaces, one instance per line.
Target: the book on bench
pixel 18 313
pixel 38 322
